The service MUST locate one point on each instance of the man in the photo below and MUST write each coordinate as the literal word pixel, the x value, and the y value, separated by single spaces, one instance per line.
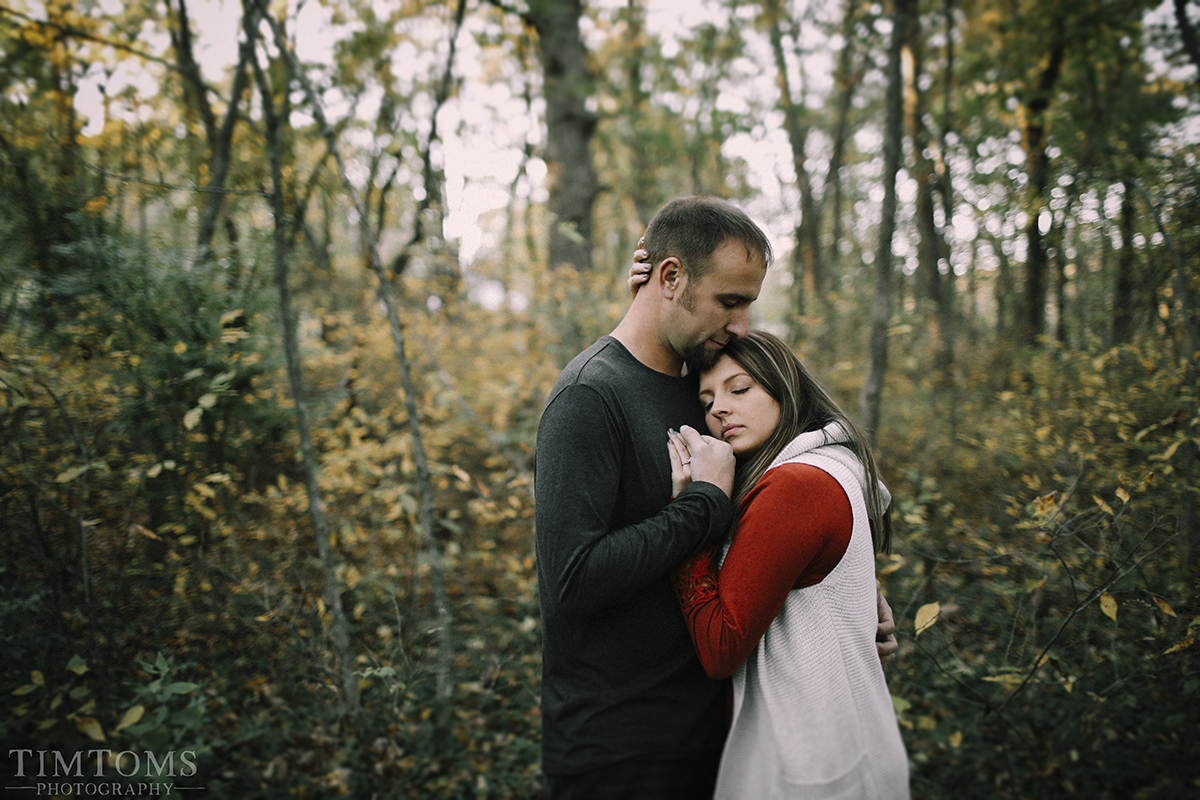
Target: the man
pixel 627 711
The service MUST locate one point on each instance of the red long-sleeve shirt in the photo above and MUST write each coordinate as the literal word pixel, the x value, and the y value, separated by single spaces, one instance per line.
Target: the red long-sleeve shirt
pixel 794 527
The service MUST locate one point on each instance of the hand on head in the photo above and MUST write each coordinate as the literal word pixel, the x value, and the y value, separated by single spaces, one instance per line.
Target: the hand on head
pixel 639 273
pixel 696 457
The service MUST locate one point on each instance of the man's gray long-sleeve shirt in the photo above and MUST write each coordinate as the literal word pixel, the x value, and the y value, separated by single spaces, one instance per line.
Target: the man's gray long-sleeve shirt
pixel 620 677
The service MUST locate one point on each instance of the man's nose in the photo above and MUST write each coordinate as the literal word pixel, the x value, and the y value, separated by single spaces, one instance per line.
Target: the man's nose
pixel 739 323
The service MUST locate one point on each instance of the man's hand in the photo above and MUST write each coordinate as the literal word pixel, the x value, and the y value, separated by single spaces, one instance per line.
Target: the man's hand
pixel 639 273
pixel 885 631
pixel 708 459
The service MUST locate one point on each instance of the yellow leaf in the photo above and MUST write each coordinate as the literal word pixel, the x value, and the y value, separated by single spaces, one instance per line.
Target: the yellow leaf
pixel 36 678
pixel 1046 503
pixel 1103 505
pixel 180 348
pixel 46 724
pixel 926 616
pixel 1008 679
pixel 95 205
pixel 1170 451
pixel 1108 605
pixel 1164 606
pixel 90 728
pixel 231 316
pixel 956 739
pixel 1184 645
pixel 23 690
pixel 71 474
pixel 1122 495
pixel 131 718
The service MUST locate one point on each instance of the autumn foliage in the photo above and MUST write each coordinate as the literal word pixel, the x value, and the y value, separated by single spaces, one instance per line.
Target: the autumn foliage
pixel 162 584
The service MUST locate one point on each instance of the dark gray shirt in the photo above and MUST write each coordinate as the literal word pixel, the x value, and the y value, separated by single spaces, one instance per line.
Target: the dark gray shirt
pixel 620 677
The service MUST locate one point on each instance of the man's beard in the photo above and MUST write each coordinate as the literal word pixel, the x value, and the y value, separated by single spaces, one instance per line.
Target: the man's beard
pixel 701 357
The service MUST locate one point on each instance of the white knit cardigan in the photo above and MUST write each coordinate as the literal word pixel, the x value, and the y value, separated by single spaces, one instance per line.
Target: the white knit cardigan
pixel 812 715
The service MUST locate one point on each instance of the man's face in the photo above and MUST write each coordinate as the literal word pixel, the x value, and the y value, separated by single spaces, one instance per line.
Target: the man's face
pixel 707 313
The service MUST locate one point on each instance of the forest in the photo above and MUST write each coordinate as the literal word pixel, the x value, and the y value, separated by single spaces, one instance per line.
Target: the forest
pixel 284 287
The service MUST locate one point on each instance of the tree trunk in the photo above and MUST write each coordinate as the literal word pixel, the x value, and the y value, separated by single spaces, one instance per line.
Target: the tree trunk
pixel 945 186
pixel 275 121
pixel 446 271
pixel 1187 33
pixel 424 477
pixel 220 139
pixel 807 253
pixel 1189 532
pixel 571 179
pixel 881 305
pixel 1124 286
pixel 847 78
pixel 1037 166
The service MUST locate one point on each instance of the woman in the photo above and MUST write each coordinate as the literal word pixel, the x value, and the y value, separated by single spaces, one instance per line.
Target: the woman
pixel 788 606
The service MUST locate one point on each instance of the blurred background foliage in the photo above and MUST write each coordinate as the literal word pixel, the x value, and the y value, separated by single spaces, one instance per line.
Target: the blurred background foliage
pixel 164 585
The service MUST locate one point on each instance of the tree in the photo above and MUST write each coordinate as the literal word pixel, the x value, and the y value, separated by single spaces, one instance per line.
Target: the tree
pixel 567 86
pixel 806 257
pixel 881 304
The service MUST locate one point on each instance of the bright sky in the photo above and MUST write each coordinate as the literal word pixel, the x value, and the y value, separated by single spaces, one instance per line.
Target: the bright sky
pixel 484 127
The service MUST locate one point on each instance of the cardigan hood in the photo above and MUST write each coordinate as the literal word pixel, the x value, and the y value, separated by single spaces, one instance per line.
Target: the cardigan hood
pixel 833 441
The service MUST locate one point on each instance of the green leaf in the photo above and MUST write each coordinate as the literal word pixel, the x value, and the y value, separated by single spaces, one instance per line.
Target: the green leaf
pixel 78 665
pixel 188 717
pixel 131 717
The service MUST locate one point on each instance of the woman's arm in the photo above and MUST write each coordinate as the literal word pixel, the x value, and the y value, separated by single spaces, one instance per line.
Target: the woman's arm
pixel 794 528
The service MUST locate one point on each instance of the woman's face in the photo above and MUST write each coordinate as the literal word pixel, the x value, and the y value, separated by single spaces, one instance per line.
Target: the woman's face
pixel 737 409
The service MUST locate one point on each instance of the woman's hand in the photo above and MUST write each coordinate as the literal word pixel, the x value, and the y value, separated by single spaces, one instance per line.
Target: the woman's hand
pixel 639 273
pixel 681 462
pixel 695 457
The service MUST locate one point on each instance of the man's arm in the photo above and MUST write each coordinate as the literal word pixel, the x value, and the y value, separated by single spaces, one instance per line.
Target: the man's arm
pixel 585 565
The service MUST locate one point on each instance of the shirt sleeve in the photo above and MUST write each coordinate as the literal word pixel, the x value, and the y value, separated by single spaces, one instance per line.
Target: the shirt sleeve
pixel 794 528
pixel 585 565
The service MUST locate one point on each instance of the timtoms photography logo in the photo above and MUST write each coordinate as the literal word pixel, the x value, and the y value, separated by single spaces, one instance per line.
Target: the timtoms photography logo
pixel 100 773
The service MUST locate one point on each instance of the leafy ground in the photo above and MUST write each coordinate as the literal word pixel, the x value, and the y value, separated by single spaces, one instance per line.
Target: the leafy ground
pixel 1038 505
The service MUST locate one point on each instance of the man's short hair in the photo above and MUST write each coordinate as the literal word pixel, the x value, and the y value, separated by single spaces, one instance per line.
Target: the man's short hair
pixel 692 228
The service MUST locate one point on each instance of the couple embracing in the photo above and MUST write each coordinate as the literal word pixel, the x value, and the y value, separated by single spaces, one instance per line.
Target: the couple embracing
pixel 705 511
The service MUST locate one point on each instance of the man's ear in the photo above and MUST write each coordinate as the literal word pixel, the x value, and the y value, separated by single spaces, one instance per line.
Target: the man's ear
pixel 670 277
